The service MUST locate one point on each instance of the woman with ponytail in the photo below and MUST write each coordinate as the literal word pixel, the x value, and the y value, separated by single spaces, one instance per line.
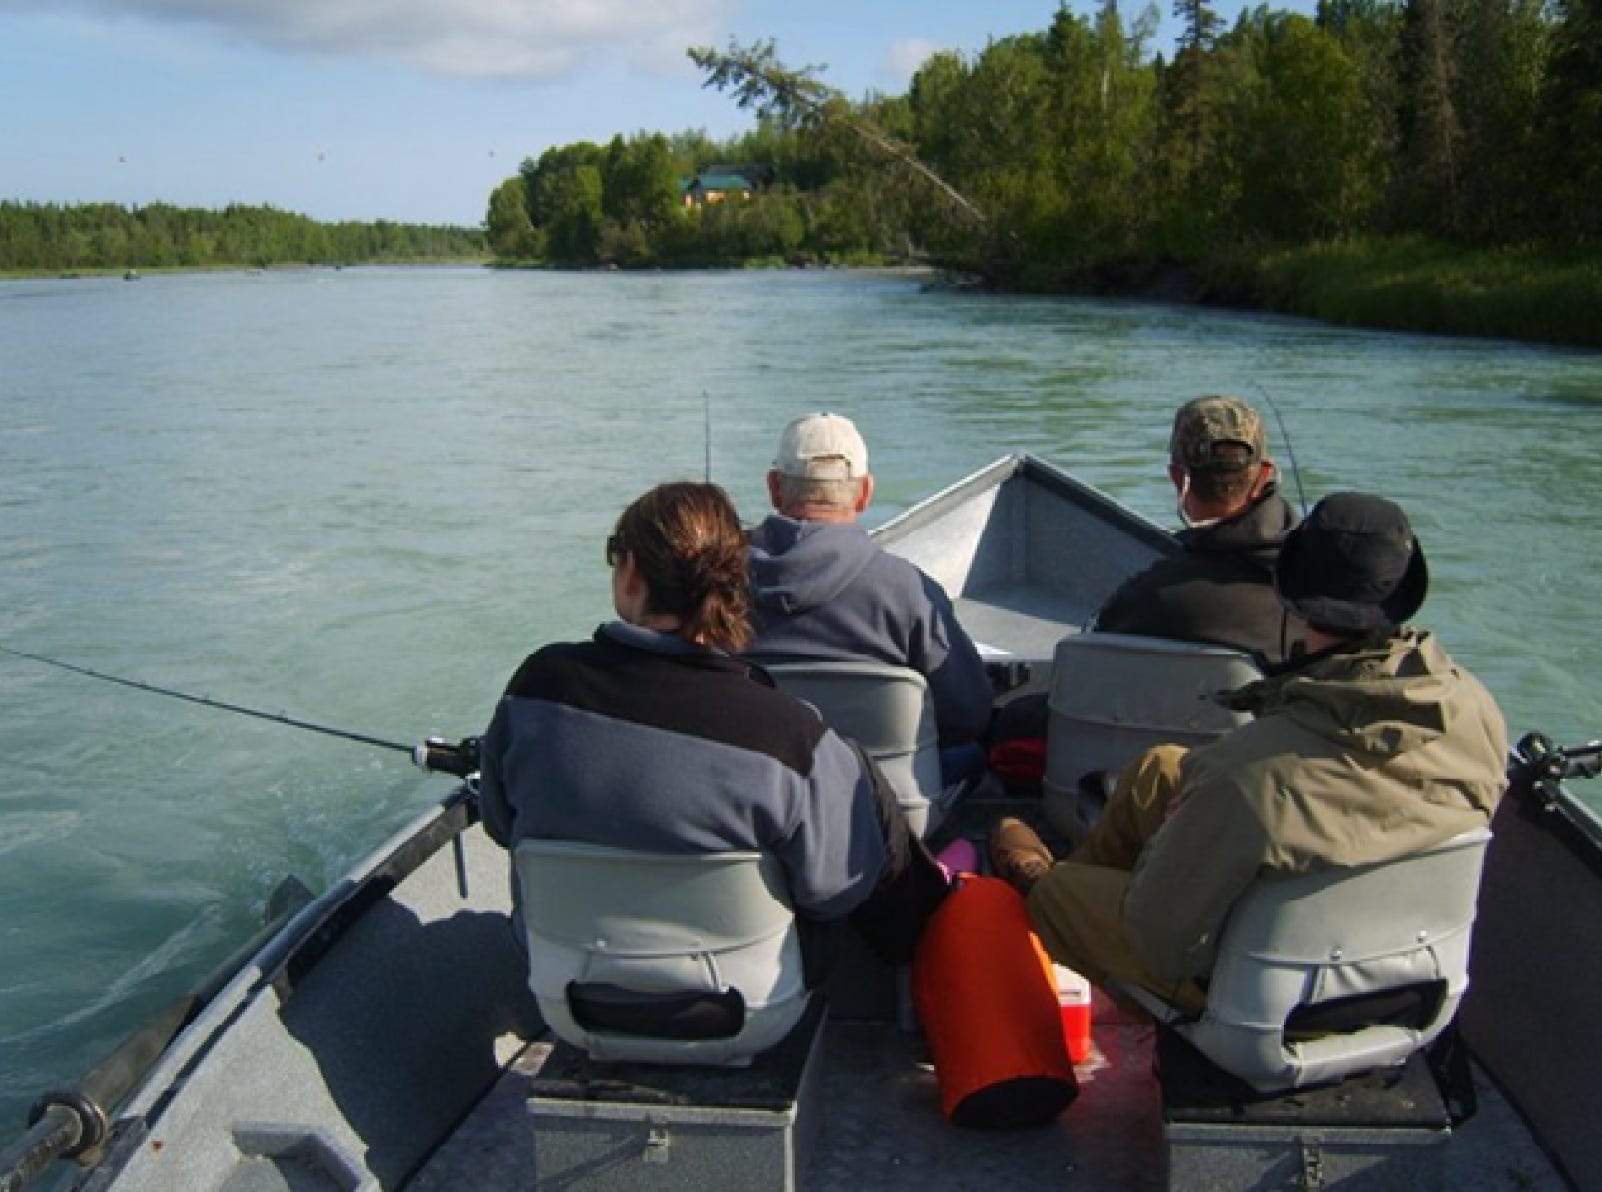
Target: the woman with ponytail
pixel 654 736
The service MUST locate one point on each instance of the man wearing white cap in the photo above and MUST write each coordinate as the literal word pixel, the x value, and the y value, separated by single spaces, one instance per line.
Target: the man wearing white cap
pixel 823 589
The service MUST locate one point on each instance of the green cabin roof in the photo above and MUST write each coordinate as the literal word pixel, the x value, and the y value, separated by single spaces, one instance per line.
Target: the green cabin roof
pixel 721 182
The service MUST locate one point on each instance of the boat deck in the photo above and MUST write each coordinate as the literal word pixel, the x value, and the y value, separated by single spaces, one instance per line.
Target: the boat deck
pixel 882 1129
pixel 1028 618
pixel 881 1125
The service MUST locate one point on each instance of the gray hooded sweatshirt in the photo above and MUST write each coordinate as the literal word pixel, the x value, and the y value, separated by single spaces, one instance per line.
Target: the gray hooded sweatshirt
pixel 826 590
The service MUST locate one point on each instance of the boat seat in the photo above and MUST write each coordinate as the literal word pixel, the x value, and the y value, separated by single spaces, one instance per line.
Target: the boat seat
pixel 885 709
pixel 690 958
pixel 1327 974
pixel 1115 695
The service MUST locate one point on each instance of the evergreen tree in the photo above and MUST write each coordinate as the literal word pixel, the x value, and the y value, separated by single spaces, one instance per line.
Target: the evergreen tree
pixel 1431 132
pixel 1368 32
pixel 1502 64
pixel 1198 37
pixel 1571 110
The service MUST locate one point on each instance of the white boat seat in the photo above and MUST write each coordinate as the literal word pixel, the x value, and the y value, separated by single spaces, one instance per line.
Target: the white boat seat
pixel 661 958
pixel 1115 695
pixel 1383 946
pixel 885 709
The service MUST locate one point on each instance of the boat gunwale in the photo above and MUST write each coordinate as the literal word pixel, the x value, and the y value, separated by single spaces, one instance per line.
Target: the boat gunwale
pixel 1024 465
pixel 287 957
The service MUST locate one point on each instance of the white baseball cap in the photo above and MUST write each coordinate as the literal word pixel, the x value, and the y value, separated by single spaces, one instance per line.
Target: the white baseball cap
pixel 822 447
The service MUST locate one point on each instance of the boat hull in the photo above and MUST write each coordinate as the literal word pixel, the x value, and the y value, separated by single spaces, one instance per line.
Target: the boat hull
pixel 1531 1013
pixel 358 1045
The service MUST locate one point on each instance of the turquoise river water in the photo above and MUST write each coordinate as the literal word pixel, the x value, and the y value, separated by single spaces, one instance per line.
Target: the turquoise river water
pixel 360 497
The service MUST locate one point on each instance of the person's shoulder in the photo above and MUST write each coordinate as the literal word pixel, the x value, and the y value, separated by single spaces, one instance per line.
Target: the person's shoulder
pixel 891 569
pixel 1438 661
pixel 549 662
pixel 1143 595
pixel 1258 762
pixel 771 530
pixel 1164 572
pixel 748 713
pixel 759 694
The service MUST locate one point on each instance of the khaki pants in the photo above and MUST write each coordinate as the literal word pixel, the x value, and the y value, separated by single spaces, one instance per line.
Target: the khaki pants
pixel 1077 908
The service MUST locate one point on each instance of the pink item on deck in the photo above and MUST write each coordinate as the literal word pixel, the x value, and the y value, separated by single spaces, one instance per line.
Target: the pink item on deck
pixel 960 856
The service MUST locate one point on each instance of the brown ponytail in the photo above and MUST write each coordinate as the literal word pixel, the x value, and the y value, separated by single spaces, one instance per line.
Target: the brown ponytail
pixel 686 542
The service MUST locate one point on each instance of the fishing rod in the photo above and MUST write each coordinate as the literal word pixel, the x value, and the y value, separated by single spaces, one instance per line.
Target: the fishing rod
pixel 706 402
pixel 434 754
pixel 1290 449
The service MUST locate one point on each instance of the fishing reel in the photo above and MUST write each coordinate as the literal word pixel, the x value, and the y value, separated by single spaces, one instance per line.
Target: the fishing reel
pixel 440 756
pixel 1542 767
pixel 1554 763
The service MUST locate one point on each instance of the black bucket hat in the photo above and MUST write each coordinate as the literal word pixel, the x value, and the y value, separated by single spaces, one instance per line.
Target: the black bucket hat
pixel 1353 565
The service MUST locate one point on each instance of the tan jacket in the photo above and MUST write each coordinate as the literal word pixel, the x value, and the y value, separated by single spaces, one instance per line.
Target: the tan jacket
pixel 1360 756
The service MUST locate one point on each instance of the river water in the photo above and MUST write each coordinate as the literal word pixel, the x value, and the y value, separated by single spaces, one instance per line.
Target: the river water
pixel 360 497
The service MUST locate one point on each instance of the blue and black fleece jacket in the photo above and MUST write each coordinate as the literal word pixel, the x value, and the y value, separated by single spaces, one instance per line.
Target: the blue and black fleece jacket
pixel 642 740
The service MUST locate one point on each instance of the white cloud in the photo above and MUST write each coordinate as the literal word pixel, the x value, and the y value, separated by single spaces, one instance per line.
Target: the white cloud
pixel 471 38
pixel 904 57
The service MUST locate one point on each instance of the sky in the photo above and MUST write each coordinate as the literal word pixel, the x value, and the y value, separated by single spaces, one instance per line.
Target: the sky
pixel 411 110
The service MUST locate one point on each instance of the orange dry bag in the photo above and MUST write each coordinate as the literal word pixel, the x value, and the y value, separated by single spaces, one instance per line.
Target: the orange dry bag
pixel 986 996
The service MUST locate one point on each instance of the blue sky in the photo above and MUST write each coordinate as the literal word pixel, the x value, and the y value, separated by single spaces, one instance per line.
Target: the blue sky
pixel 410 110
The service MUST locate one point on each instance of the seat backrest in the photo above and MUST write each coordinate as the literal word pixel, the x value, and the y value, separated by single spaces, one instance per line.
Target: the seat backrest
pixel 651 932
pixel 1115 695
pixel 1347 936
pixel 885 709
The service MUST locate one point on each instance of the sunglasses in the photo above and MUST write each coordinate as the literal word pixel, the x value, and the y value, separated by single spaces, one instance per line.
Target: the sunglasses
pixel 615 549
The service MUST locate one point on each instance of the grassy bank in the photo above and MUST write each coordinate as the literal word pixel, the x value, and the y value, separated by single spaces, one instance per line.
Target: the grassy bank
pixel 1538 295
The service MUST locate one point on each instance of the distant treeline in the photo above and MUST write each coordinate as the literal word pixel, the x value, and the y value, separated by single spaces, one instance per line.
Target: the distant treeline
pixel 1094 162
pixel 45 236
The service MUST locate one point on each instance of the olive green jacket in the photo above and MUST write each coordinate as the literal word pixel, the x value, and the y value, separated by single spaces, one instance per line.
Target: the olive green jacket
pixel 1363 755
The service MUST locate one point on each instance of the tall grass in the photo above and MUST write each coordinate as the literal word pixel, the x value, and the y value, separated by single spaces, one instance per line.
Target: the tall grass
pixel 1412 284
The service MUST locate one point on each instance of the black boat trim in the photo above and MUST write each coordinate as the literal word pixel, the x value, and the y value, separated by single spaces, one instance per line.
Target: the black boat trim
pixel 1549 805
pixel 287 962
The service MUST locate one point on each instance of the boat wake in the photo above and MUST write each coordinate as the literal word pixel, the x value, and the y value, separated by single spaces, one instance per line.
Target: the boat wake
pixel 174 952
pixel 24 830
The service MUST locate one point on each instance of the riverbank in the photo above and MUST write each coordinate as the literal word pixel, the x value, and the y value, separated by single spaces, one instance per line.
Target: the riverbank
pixel 1410 284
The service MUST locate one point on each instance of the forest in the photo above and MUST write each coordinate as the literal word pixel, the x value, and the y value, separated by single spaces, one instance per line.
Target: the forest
pixel 1423 164
pixel 36 237
pixel 1453 145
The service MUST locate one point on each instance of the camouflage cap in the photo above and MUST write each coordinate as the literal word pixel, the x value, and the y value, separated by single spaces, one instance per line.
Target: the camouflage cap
pixel 1204 425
